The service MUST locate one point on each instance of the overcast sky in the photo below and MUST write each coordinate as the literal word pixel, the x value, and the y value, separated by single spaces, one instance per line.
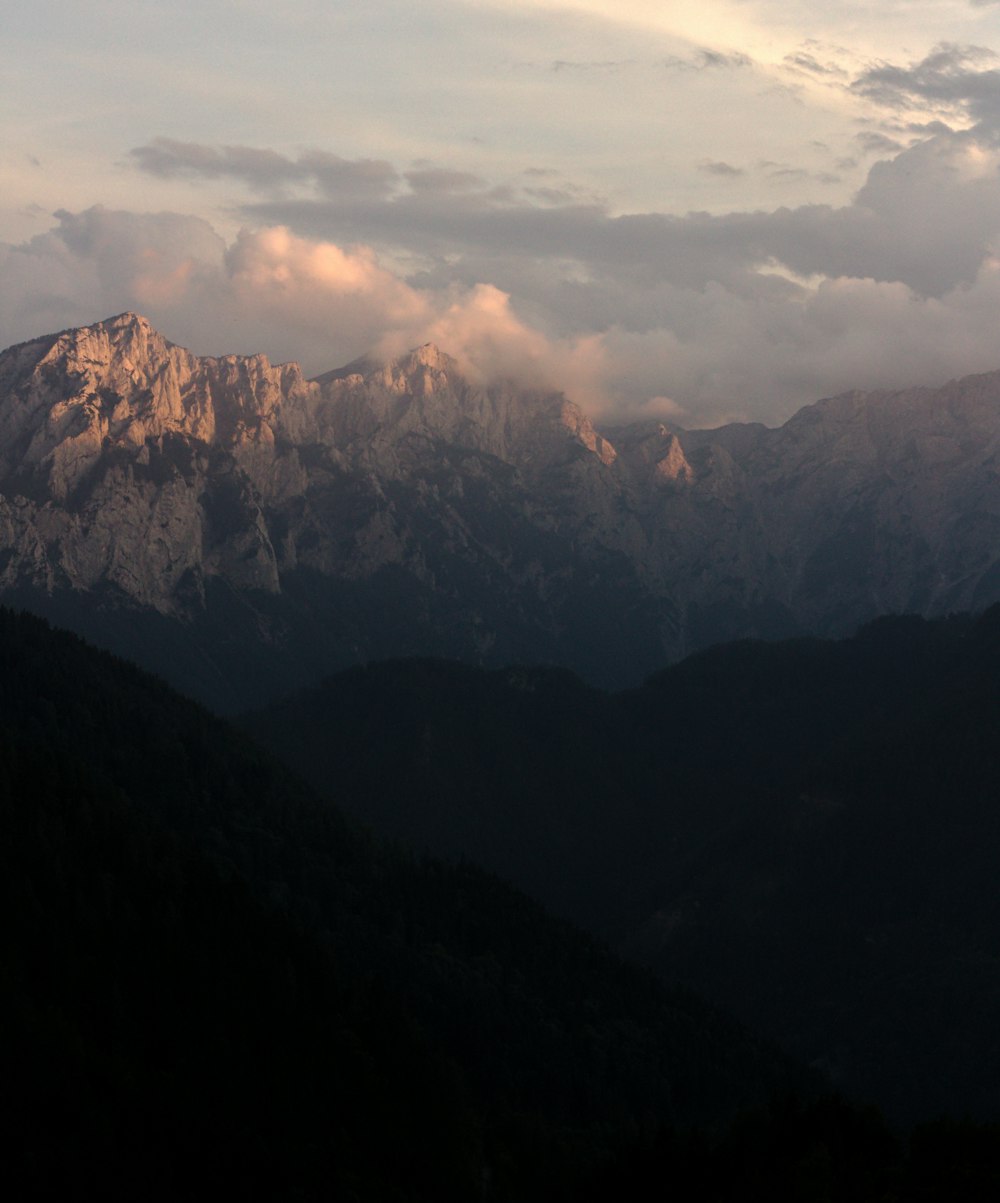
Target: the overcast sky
pixel 711 210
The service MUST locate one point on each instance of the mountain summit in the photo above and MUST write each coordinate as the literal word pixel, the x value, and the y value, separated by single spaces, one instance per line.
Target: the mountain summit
pixel 384 507
pixel 227 516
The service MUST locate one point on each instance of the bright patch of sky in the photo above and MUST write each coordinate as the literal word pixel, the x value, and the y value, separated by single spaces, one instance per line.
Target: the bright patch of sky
pixel 683 200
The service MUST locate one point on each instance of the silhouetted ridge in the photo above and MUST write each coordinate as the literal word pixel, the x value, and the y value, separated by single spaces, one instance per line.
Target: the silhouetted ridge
pixel 213 984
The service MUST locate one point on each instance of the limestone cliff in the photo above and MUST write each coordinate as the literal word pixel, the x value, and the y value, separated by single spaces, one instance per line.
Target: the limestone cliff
pixel 397 507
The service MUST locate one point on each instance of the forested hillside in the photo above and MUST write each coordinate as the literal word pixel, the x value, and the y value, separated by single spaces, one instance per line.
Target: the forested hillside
pixel 214 984
pixel 806 831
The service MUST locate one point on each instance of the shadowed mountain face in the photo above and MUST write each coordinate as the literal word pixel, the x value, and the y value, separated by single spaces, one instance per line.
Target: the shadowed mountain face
pixel 243 530
pixel 806 831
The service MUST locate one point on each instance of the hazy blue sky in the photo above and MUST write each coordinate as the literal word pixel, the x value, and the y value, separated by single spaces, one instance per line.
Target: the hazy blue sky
pixel 709 210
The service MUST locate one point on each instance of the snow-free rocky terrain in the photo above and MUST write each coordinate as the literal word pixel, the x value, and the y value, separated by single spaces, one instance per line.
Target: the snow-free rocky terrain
pixel 243 529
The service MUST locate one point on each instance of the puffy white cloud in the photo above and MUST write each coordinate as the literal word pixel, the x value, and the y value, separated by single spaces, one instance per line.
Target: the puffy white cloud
pixel 700 316
pixel 759 357
pixel 270 290
pixel 100 262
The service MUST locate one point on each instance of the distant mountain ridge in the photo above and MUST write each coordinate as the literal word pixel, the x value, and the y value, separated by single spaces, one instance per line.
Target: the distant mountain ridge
pixel 202 513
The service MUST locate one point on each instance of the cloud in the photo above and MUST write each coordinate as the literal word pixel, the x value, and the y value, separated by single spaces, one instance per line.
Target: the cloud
pixel 741 313
pixel 603 66
pixel 482 331
pixel 924 218
pixel 551 196
pixel 805 62
pixel 874 143
pixel 719 168
pixel 100 258
pixel 438 180
pixel 270 290
pixel 926 128
pixel 266 170
pixel 168 158
pixel 780 171
pixel 733 353
pixel 952 79
pixel 709 60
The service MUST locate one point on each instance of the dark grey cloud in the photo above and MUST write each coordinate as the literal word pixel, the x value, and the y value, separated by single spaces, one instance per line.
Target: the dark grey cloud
pixel 802 60
pixel 462 230
pixel 926 128
pixel 600 65
pixel 438 180
pixel 265 170
pixel 124 246
pixel 168 158
pixel 551 196
pixel 874 143
pixel 352 177
pixel 714 167
pixel 951 75
pixel 916 221
pixel 709 60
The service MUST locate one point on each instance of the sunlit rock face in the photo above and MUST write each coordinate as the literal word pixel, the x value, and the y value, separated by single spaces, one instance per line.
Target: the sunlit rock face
pixel 119 453
pixel 399 508
pixel 385 508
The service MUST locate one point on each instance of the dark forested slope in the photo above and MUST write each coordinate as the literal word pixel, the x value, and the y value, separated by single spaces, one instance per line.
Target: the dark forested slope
pixel 214 985
pixel 807 831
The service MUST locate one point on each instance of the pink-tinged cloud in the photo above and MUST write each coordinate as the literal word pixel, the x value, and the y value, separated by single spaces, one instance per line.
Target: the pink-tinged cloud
pixel 270 290
pixel 480 329
pixel 755 343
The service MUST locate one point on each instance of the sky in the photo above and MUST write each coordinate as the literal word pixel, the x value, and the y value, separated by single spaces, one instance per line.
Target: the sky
pixel 703 212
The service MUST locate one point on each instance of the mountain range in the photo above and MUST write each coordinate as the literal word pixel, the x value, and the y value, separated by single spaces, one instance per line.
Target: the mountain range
pixel 217 981
pixel 243 530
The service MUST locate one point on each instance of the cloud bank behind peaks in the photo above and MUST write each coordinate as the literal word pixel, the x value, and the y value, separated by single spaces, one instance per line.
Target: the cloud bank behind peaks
pixel 707 317
pixel 294 298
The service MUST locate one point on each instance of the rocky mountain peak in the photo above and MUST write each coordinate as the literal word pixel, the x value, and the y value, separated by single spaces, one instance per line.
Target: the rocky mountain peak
pixel 431 356
pixel 421 372
pixel 120 384
pixel 654 452
pixel 127 461
pixel 127 343
pixel 424 394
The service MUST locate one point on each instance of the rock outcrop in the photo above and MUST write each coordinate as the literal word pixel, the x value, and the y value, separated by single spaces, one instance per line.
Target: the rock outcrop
pixel 397 508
